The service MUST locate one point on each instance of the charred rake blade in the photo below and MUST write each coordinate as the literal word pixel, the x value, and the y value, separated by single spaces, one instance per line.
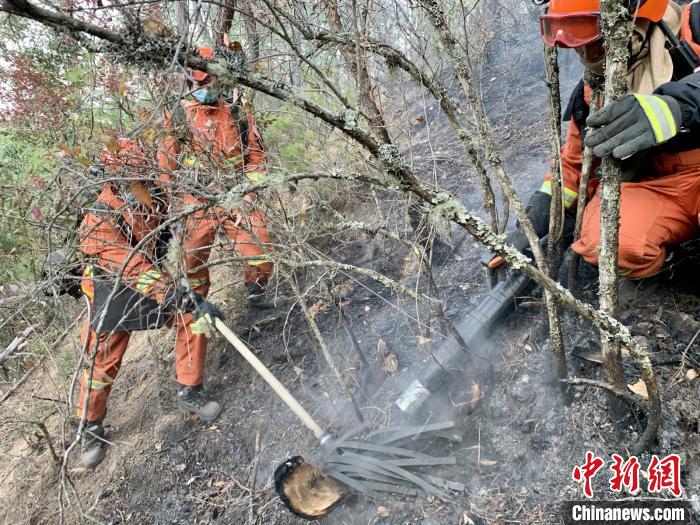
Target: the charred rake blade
pixel 376 464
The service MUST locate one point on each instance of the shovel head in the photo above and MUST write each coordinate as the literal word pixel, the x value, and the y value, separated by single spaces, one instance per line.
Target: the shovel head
pixel 306 490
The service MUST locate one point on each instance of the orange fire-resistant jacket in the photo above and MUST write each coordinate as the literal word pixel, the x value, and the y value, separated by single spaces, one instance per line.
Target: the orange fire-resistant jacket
pixel 106 245
pixel 216 140
pixel 660 207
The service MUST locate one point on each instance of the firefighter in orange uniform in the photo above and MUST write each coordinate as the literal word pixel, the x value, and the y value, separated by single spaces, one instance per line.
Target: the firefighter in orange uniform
pixel 654 129
pixel 121 231
pixel 213 135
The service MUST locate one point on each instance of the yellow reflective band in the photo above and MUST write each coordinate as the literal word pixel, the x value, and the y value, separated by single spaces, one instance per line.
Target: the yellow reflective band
pixel 199 326
pixel 188 162
pixel 659 115
pixel 257 262
pixel 88 272
pixel 256 176
pixel 195 283
pixel 570 197
pixel 236 159
pixel 96 384
pixel 146 280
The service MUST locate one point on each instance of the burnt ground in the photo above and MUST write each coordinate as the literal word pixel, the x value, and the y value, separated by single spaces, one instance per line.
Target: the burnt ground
pixel 519 443
pixel 518 448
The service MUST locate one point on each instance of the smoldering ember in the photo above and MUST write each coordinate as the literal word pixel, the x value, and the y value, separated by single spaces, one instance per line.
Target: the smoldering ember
pixel 390 262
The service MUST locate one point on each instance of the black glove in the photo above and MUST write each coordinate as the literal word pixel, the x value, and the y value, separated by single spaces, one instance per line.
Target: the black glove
pixel 202 310
pixel 633 123
pixel 538 212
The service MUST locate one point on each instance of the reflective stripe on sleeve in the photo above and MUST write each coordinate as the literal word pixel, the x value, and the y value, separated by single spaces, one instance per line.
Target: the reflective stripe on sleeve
pixel 659 115
pixel 146 280
pixel 570 195
pixel 256 262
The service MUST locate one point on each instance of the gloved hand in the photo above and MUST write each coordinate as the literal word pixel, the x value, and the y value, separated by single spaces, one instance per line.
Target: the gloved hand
pixel 633 123
pixel 538 211
pixel 202 310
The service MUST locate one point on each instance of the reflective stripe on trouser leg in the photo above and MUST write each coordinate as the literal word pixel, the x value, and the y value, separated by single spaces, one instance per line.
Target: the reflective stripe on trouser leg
pixel 190 352
pixel 108 359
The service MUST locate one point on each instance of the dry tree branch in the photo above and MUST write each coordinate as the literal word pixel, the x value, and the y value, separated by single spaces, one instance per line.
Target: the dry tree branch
pixel 617 30
pixel 621 393
pixel 47 437
pixel 396 59
pixel 393 164
pixel 462 69
pixel 586 169
pixel 556 209
pixel 301 299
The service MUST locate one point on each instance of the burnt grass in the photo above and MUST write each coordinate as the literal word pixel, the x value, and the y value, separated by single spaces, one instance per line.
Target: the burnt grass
pixel 518 447
pixel 519 441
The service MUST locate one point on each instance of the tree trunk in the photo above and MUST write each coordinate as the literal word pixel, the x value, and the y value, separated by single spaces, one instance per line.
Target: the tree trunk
pixel 223 22
pixel 617 30
pixel 556 212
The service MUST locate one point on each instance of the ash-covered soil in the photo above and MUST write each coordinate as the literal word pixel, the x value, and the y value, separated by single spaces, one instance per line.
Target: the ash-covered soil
pixel 518 448
pixel 521 437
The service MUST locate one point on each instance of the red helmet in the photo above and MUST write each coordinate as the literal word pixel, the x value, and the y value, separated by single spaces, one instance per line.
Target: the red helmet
pixel 575 23
pixel 124 152
pixel 201 76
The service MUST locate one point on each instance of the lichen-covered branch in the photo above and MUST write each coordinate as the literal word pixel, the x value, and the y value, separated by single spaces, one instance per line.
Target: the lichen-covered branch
pixel 556 210
pixel 463 71
pixel 394 165
pixel 617 28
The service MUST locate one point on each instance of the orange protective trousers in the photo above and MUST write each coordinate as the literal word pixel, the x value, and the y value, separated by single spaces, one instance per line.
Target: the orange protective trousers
pixel 190 356
pixel 654 213
pixel 248 234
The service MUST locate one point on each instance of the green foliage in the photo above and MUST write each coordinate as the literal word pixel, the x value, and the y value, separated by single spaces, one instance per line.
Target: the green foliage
pixel 24 169
pixel 298 146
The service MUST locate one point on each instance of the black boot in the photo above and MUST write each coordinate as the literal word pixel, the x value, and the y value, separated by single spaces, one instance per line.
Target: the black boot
pixel 93 448
pixel 191 400
pixel 256 295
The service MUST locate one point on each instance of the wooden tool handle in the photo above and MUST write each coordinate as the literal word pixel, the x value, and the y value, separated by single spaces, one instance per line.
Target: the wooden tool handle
pixel 270 379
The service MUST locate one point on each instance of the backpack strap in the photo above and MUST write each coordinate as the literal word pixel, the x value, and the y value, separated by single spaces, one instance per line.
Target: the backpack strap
pixel 241 120
pixel 578 109
pixel 179 124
